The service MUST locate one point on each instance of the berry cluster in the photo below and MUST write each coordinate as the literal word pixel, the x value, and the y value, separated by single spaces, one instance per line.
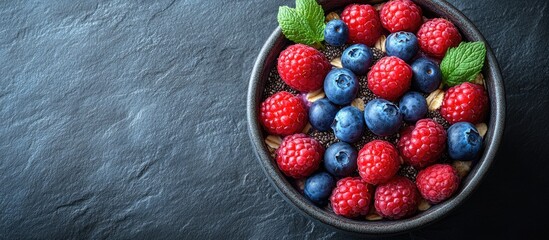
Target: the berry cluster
pixel 384 177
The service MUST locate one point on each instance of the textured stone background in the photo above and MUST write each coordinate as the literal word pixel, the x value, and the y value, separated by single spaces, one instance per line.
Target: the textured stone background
pixel 126 119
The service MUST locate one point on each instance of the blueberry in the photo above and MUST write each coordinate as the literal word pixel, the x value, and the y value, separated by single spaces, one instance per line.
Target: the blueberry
pixel 341 86
pixel 348 125
pixel 321 114
pixel 413 106
pixel 403 45
pixel 464 142
pixel 336 33
pixel 357 58
pixel 426 75
pixel 382 117
pixel 340 159
pixel 318 187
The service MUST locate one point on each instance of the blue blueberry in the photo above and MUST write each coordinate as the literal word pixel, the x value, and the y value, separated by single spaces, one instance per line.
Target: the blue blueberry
pixel 403 45
pixel 464 142
pixel 318 187
pixel 322 114
pixel 382 117
pixel 357 58
pixel 348 124
pixel 413 106
pixel 341 86
pixel 426 75
pixel 340 159
pixel 336 33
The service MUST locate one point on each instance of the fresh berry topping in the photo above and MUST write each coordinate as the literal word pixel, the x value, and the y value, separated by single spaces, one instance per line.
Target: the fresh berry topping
pixel 318 187
pixel 283 114
pixel 302 67
pixel 401 15
pixel 402 45
pixel 340 159
pixel 303 96
pixel 437 35
pixel 413 106
pixel 348 125
pixel 357 58
pixel 321 114
pixel 341 86
pixel 423 144
pixel 389 78
pixel 378 161
pixel 299 155
pixel 336 33
pixel 438 182
pixel 351 197
pixel 363 22
pixel 467 102
pixel 426 75
pixel 464 142
pixel 382 117
pixel 398 198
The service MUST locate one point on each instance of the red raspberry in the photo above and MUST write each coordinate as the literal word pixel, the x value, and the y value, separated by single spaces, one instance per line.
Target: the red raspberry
pixel 397 198
pixel 303 68
pixel 438 182
pixel 423 144
pixel 351 197
pixel 378 161
pixel 283 114
pixel 436 36
pixel 389 78
pixel 363 22
pixel 466 102
pixel 401 15
pixel 299 155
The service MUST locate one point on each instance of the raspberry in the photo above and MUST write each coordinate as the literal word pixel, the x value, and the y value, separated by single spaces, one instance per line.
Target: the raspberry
pixel 299 155
pixel 423 144
pixel 351 197
pixel 389 78
pixel 401 15
pixel 438 182
pixel 397 198
pixel 303 68
pixel 436 36
pixel 378 161
pixel 283 114
pixel 467 102
pixel 363 22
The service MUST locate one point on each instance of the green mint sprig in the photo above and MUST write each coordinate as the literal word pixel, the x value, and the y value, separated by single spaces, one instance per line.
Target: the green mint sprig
pixel 462 63
pixel 303 24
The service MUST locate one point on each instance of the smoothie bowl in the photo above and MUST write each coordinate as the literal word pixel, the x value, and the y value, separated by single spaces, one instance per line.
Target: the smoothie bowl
pixel 375 117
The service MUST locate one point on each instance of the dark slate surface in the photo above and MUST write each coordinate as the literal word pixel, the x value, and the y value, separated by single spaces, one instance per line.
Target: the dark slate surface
pixel 126 119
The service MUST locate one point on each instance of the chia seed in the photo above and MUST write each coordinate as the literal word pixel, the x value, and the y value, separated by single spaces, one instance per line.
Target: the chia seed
pixel 275 84
pixel 408 171
pixel 363 91
pixel 332 52
pixel 435 115
pixel 325 138
pixel 378 54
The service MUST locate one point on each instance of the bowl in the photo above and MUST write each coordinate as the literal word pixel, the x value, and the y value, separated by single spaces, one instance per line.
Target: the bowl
pixel 494 85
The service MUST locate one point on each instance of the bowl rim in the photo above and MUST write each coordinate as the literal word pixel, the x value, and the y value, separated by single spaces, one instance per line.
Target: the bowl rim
pixel 494 86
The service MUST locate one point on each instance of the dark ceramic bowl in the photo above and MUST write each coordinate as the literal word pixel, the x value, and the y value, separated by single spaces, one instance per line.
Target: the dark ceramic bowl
pixel 494 84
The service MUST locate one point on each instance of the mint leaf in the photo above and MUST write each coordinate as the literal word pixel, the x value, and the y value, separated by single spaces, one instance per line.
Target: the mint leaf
pixel 462 63
pixel 314 14
pixel 304 24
